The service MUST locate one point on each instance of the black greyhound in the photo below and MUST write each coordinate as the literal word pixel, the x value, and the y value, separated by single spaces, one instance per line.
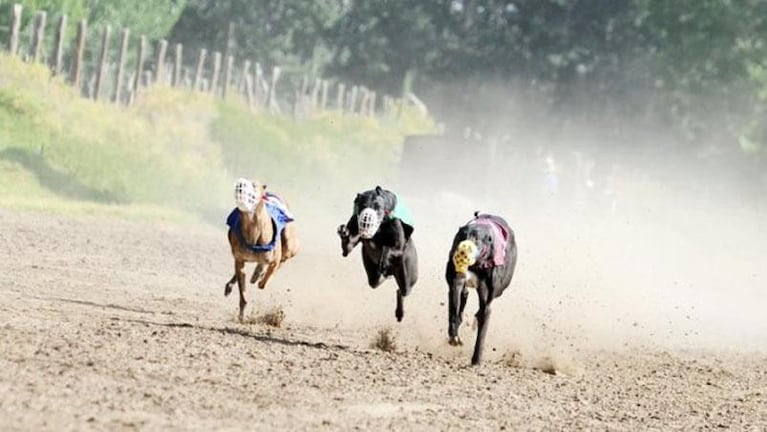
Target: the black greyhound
pixel 483 256
pixel 387 247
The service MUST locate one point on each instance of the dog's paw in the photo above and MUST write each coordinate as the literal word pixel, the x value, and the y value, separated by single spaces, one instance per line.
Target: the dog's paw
pixel 343 231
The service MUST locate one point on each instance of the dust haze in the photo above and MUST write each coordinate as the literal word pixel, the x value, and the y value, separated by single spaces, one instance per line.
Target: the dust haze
pixel 636 304
pixel 625 242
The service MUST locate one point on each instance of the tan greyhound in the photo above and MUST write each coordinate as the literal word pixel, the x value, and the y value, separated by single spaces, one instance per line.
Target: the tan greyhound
pixel 261 230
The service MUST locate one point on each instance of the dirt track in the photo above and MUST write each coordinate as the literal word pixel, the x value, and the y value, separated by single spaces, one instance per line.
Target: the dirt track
pixel 115 325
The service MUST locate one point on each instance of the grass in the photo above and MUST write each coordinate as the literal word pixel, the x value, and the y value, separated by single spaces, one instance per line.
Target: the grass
pixel 173 150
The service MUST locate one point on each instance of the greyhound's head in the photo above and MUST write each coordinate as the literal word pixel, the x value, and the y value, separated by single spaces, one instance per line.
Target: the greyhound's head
pixel 247 194
pixel 472 245
pixel 371 209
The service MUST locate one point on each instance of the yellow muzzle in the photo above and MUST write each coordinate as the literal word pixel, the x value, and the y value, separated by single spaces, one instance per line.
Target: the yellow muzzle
pixel 465 255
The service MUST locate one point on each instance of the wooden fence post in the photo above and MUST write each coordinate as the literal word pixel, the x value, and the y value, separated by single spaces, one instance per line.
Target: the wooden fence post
pixel 248 79
pixel 38 35
pixel 340 96
pixel 271 98
pixel 259 92
pixel 316 93
pixel 159 63
pixel 372 107
pixel 102 62
pixel 363 100
pixel 302 99
pixel 324 98
pixel 121 64
pixel 229 40
pixel 227 75
pixel 139 67
pixel 178 58
pixel 82 35
pixel 59 45
pixel 244 76
pixel 216 71
pixel 89 86
pixel 353 99
pixel 260 86
pixel 198 71
pixel 13 43
pixel 228 62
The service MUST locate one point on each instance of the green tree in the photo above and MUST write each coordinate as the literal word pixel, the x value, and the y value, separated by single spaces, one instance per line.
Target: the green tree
pixel 74 9
pixel 151 18
pixel 289 33
pixel 387 44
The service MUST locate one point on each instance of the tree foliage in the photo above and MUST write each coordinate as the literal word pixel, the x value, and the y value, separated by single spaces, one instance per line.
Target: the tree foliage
pixel 151 18
pixel 694 65
pixel 689 63
pixel 289 33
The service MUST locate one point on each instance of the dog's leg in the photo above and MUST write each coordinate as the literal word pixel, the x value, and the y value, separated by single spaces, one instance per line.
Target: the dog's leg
pixel 404 287
pixel 384 261
pixel 464 299
pixel 258 272
pixel 290 243
pixel 375 278
pixel 483 315
pixel 239 271
pixel 270 269
pixel 403 277
pixel 349 236
pixel 228 285
pixel 348 243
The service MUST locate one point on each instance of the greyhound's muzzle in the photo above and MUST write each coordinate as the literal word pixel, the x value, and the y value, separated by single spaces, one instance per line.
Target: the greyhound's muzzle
pixel 465 256
pixel 368 223
pixel 245 195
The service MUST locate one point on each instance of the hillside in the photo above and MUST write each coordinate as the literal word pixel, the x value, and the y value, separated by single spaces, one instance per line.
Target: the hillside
pixel 173 149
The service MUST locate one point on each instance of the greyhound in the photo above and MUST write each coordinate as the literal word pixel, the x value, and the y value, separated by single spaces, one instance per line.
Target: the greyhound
pixel 382 225
pixel 261 230
pixel 483 256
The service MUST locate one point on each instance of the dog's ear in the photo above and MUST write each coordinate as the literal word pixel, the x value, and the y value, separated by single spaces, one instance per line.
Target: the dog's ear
pixel 408 229
pixel 264 187
pixel 379 190
pixel 476 214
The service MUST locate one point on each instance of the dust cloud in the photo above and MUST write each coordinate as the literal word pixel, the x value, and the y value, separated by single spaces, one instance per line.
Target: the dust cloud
pixel 624 243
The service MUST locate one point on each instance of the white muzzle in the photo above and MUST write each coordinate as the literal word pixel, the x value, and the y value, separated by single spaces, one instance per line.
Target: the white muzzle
pixel 368 223
pixel 245 195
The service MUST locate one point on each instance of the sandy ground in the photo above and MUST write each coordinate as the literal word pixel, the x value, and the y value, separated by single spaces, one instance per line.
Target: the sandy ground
pixel 118 325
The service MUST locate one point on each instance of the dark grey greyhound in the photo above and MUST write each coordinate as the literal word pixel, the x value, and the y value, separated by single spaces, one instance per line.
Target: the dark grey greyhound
pixel 383 226
pixel 483 256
